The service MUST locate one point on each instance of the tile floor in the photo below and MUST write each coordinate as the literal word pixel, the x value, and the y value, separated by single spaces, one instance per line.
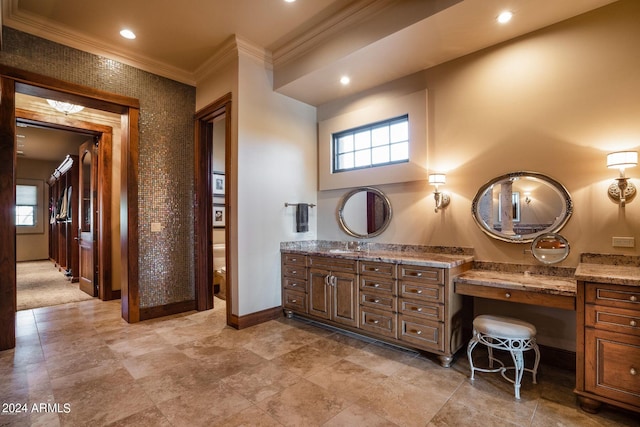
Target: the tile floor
pixel 94 369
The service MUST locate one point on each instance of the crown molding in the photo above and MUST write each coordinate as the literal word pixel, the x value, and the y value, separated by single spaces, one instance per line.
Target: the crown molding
pixel 348 17
pixel 22 21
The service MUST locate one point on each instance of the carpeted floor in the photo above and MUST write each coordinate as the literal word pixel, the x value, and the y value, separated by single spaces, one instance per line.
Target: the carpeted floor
pixel 40 284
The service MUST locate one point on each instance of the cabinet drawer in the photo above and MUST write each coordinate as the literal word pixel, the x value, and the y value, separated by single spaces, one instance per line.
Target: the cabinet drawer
pixel 422 310
pixel 422 291
pixel 296 259
pixel 333 264
pixel 616 361
pixel 422 274
pixel 296 271
pixel 378 284
pixel 381 269
pixel 378 300
pixel 294 284
pixel 294 300
pixel 378 321
pixel 424 334
pixel 613 319
pixel 613 295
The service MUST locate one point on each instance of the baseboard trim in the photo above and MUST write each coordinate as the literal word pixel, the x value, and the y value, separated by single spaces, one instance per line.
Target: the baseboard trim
pixel 252 319
pixel 557 357
pixel 167 309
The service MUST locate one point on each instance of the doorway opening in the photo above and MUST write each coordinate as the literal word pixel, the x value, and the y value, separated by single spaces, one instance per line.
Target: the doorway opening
pixel 214 207
pixel 13 82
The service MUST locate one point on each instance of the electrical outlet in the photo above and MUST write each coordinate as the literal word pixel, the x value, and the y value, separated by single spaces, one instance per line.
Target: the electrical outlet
pixel 623 242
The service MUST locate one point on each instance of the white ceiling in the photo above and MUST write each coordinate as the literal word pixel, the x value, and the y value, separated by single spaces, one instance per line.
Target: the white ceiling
pixel 312 42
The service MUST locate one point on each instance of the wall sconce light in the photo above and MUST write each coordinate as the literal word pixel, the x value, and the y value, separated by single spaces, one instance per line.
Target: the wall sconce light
pixel 527 197
pixel 442 199
pixel 622 191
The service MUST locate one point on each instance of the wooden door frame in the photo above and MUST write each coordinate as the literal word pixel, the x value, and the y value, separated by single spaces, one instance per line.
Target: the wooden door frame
pixel 13 80
pixel 203 206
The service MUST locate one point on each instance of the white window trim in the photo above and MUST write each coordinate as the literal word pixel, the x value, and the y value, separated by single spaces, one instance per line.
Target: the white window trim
pixel 379 109
pixel 38 228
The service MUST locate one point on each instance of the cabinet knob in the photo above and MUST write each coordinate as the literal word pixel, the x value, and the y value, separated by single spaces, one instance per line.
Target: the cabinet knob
pixel 376 269
pixel 376 285
pixel 419 309
pixel 294 301
pixel 419 291
pixel 419 274
pixel 293 285
pixel 633 298
pixel 633 371
pixel 633 323
pixel 294 272
pixel 507 295
pixel 294 259
pixel 419 332
pixel 375 322
pixel 376 301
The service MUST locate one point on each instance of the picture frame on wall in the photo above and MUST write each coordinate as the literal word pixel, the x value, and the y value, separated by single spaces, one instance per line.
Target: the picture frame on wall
pixel 218 184
pixel 219 216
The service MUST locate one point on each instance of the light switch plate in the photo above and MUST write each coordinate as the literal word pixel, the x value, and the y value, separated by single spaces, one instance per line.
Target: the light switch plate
pixel 623 242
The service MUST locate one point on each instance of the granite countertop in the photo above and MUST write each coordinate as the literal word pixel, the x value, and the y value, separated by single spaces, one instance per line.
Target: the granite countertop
pixel 440 257
pixel 609 273
pixel 524 281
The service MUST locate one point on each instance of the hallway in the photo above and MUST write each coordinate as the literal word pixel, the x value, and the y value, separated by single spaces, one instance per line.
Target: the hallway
pixel 95 369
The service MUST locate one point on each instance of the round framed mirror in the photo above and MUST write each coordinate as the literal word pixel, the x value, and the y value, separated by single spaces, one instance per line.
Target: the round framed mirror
pixel 364 212
pixel 550 248
pixel 519 206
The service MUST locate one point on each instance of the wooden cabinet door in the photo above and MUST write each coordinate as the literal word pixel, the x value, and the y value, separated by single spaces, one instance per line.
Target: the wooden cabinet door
pixel 319 293
pixel 345 299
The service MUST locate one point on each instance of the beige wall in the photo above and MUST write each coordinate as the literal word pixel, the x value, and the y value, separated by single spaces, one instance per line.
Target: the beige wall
pixel 31 247
pixel 555 102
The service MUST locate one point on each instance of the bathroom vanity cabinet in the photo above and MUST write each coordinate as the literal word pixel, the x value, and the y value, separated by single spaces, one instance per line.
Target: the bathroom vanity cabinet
pixel 406 301
pixel 608 340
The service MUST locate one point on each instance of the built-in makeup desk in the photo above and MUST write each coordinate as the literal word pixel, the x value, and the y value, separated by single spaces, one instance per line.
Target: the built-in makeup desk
pixel 537 288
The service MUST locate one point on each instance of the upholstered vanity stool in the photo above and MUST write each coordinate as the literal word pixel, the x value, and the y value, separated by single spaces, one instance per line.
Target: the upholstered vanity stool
pixel 504 333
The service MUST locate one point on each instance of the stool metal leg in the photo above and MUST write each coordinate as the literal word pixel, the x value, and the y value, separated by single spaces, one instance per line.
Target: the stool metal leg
pixel 518 362
pixel 472 343
pixel 535 366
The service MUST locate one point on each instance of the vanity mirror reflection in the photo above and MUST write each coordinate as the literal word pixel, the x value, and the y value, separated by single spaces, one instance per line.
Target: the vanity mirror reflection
pixel 519 206
pixel 364 212
pixel 550 248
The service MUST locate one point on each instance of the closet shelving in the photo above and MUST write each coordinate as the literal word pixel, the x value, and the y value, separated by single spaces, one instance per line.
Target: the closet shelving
pixel 63 217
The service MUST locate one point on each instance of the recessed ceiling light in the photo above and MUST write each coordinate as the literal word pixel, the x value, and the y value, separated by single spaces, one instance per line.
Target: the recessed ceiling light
pixel 504 17
pixel 345 80
pixel 127 34
pixel 289 1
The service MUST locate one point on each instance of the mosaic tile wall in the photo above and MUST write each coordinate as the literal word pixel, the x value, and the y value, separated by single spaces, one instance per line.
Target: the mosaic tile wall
pixel 166 260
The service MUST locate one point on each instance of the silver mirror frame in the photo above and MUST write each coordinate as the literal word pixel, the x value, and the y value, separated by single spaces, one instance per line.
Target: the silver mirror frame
pixel 344 200
pixel 557 226
pixel 542 256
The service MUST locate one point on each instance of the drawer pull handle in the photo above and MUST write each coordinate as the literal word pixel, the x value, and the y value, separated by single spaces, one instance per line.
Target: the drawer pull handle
pixel 633 371
pixel 416 308
pixel 375 322
pixel 293 285
pixel 294 272
pixel 418 332
pixel 419 291
pixel 376 269
pixel 294 259
pixel 294 301
pixel 508 295
pixel 633 323
pixel 418 274
pixel 376 285
pixel 376 301
pixel 633 298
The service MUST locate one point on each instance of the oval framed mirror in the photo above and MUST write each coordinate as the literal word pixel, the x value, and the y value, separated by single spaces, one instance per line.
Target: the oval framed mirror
pixel 519 206
pixel 364 212
pixel 550 248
